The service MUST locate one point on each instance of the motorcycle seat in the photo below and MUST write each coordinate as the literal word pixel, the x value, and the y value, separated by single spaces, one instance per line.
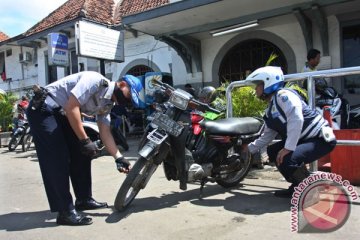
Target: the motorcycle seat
pixel 233 126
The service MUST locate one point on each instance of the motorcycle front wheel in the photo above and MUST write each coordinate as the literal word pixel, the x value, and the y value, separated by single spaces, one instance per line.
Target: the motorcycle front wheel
pixel 136 180
pixel 14 142
pixel 28 139
pixel 234 178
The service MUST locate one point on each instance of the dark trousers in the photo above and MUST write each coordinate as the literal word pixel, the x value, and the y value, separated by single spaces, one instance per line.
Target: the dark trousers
pixel 305 152
pixel 59 157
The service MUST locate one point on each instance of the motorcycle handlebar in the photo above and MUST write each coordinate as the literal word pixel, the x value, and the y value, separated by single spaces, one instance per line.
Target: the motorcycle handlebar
pixel 196 103
pixel 162 85
pixel 204 106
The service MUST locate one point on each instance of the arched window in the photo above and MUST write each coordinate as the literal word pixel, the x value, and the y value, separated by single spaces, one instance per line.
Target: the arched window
pixel 139 70
pixel 247 56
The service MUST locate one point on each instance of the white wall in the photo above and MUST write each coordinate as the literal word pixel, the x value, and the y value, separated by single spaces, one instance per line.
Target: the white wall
pixel 143 47
pixel 22 75
pixel 42 66
pixel 166 58
pixel 286 27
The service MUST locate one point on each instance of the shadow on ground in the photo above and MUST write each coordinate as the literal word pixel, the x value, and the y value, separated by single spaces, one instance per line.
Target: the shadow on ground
pixel 20 221
pixel 241 201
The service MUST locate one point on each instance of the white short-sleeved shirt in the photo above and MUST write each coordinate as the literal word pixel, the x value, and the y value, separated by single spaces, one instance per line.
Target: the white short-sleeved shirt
pixel 91 89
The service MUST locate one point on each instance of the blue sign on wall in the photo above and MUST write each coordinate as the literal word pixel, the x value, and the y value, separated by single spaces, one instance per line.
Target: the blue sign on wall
pixel 59 41
pixel 58 49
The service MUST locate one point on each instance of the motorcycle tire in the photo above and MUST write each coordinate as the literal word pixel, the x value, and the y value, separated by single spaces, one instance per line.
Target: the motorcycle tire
pixel 14 142
pixel 136 180
pixel 233 179
pixel 28 139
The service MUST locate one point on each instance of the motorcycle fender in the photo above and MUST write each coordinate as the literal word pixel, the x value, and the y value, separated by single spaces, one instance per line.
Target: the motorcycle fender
pixel 161 153
pixel 91 125
pixel 148 150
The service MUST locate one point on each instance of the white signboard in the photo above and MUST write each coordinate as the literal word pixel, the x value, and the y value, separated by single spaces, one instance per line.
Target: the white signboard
pixel 58 49
pixel 99 42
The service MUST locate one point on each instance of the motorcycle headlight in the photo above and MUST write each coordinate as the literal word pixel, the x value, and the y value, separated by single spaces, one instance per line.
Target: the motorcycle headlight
pixel 180 99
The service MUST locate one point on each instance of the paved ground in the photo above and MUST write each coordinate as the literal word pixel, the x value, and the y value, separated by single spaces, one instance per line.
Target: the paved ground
pixel 161 211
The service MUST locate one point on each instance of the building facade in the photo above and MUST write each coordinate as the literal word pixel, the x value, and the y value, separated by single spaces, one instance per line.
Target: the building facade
pixel 203 42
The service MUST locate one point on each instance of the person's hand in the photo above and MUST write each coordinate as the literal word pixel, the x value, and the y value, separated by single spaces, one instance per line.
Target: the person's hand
pixel 122 165
pixel 280 157
pixel 88 148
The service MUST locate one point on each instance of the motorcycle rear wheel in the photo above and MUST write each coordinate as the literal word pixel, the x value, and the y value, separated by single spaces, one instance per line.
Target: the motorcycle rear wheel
pixel 14 142
pixel 233 179
pixel 28 139
pixel 136 180
pixel 120 139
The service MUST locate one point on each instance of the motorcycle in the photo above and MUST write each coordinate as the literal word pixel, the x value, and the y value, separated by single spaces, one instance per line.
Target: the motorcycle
pixel 219 160
pixel 21 135
pixel 92 130
pixel 328 98
pixel 354 117
pixel 196 138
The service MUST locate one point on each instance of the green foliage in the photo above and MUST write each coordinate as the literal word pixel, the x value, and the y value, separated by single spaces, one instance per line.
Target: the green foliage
pixel 301 91
pixel 6 110
pixel 244 102
pixel 272 57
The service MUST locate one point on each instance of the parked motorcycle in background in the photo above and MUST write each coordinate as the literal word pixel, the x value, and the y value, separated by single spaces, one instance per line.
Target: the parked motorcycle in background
pixel 354 117
pixel 219 160
pixel 21 135
pixel 119 125
pixel 92 130
pixel 328 98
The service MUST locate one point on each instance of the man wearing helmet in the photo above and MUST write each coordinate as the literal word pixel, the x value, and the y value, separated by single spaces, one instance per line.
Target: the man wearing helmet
pixel 64 150
pixel 300 128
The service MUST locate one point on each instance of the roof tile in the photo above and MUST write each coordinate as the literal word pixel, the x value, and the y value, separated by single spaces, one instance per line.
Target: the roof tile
pixel 3 36
pixel 128 7
pixel 100 11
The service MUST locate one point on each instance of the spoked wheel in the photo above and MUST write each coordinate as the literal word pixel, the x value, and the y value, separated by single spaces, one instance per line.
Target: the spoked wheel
pixel 234 178
pixel 136 180
pixel 28 139
pixel 14 142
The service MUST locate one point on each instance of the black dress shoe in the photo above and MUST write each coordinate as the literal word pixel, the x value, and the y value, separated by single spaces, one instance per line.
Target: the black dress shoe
pixel 285 193
pixel 72 218
pixel 89 204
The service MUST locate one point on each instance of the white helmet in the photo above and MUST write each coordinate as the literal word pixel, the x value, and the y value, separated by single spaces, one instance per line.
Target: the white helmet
pixel 272 77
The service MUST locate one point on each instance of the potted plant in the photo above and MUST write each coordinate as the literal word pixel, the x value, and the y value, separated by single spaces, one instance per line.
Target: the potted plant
pixel 7 101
